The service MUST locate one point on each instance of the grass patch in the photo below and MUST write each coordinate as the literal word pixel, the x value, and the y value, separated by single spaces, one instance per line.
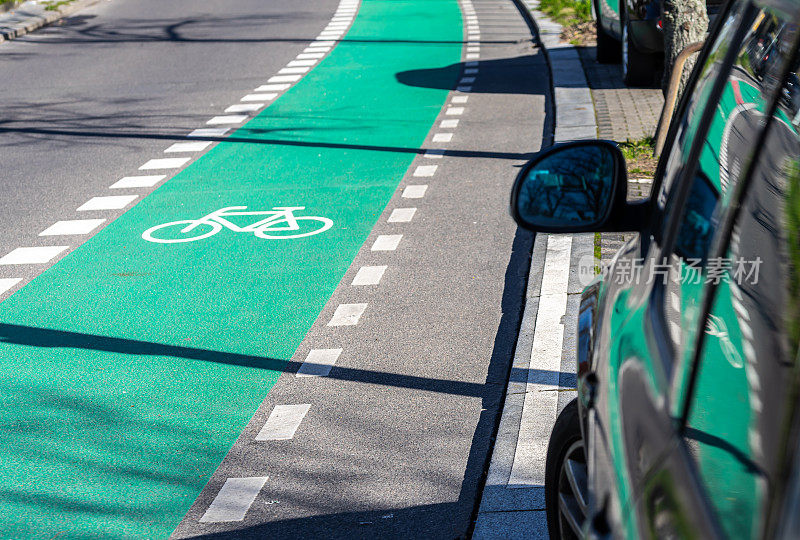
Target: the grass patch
pixel 639 157
pixel 54 5
pixel 568 12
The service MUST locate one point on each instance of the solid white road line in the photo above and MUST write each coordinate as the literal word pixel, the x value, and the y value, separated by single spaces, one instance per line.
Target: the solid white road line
pixel 541 399
pixel 73 226
pixel 415 191
pixel 234 499
pixel 139 181
pixel 111 202
pixel 318 362
pixel 227 119
pixel 209 132
pixel 369 275
pixel 32 255
pixel 402 215
pixel 425 170
pixel 259 97
pixel 386 242
pixel 283 422
pixel 7 283
pixel 193 146
pixel 165 163
pixel 347 314
pixel 244 107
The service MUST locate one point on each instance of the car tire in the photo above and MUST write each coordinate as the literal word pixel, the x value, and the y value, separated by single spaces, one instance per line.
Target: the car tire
pixel 638 68
pixel 608 50
pixel 565 487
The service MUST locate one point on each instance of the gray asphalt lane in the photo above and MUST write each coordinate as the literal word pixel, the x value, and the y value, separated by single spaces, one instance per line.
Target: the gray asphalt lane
pixel 397 436
pixel 88 101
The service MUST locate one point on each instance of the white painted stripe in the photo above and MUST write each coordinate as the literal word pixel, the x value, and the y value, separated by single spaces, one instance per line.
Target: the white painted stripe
pixel 273 88
pixel 322 43
pixel 304 56
pixel 402 215
pixel 433 154
pixel 448 124
pixel 300 63
pixel 387 242
pixel 234 499
pixel 138 181
pixel 7 283
pixel 425 170
pixel 209 132
pixel 472 64
pixel 347 314
pixel 293 70
pixel 193 146
pixel 541 401
pixel 316 49
pixel 283 422
pixel 283 78
pixel 32 255
pixel 244 107
pixel 473 56
pixel 369 275
pixel 165 163
pixel 459 99
pixel 259 97
pixel 443 137
pixel 467 80
pixel 471 71
pixel 318 362
pixel 454 111
pixel 72 226
pixel 329 35
pixel 110 202
pixel 463 88
pixel 227 119
pixel 415 191
pixel 473 49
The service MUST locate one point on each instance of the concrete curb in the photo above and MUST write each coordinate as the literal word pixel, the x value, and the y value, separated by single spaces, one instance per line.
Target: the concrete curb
pixel 509 509
pixel 31 16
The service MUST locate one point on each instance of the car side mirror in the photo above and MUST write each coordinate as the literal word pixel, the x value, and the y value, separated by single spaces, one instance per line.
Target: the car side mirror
pixel 575 187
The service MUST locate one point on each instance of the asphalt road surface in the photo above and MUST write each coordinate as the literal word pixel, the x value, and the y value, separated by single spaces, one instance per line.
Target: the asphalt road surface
pixel 297 322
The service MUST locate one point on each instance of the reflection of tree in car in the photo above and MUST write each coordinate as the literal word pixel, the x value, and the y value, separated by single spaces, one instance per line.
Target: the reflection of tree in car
pixel 568 187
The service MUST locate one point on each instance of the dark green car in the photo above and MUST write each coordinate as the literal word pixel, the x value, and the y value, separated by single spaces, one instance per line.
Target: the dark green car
pixel 687 418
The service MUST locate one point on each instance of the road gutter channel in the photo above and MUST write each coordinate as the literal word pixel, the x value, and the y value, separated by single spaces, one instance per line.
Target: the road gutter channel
pixel 512 503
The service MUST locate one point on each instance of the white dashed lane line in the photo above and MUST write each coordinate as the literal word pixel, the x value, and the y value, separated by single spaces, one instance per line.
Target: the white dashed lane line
pixel 7 283
pixel 72 226
pixel 192 146
pixel 234 499
pixel 33 255
pixel 402 215
pixel 347 314
pixel 386 242
pixel 283 422
pixel 164 163
pixel 318 363
pixel 110 202
pixel 369 275
pixel 415 191
pixel 137 181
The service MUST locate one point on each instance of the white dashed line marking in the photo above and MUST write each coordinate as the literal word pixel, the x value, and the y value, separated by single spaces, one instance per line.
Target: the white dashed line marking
pixel 369 275
pixel 473 56
pixel 347 314
pixel 193 146
pixel 472 64
pixel 415 191
pixel 110 202
pixel 209 132
pixel 318 362
pixel 300 63
pixel 316 49
pixel 273 88
pixel 433 154
pixel 471 71
pixel 293 70
pixel 283 422
pixel 165 163
pixel 402 215
pixel 386 242
pixel 73 226
pixel 448 124
pixel 304 56
pixel 7 283
pixel 227 119
pixel 32 255
pixel 284 78
pixel 244 107
pixel 454 111
pixel 464 88
pixel 259 97
pixel 234 499
pixel 425 170
pixel 139 181
pixel 443 137
pixel 467 80
pixel 321 43
pixel 459 99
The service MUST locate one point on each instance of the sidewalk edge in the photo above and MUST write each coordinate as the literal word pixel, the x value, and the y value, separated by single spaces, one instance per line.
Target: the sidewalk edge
pixel 20 22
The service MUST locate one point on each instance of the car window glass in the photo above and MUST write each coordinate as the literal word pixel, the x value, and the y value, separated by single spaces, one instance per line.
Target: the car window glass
pixel 743 402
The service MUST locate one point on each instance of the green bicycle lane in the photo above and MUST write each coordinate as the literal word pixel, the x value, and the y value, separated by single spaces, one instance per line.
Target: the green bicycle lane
pixel 129 368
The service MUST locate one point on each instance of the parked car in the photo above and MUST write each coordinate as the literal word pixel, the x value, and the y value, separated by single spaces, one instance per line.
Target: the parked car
pixel 631 31
pixel 687 417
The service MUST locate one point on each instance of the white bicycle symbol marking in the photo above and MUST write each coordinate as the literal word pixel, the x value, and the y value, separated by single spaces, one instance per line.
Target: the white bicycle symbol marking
pixel 281 220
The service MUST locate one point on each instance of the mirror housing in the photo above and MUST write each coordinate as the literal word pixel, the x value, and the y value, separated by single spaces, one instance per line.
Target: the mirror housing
pixel 576 187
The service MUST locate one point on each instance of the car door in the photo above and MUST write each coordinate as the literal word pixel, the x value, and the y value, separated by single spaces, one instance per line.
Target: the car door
pixel 713 480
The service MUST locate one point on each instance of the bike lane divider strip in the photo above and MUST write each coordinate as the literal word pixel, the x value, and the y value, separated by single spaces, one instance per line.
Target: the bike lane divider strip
pixel 141 361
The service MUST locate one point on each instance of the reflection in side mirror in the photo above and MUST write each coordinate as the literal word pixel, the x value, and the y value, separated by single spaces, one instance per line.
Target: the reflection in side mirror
pixel 569 188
